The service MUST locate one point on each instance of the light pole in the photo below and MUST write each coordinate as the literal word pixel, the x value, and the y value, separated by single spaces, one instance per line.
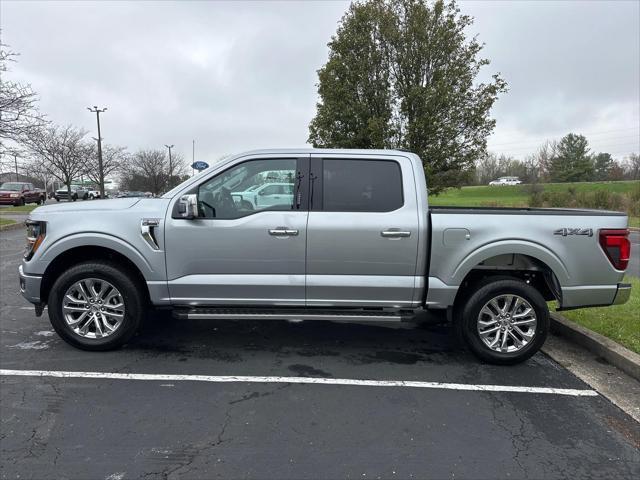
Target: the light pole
pixel 15 161
pixel 170 163
pixel 98 111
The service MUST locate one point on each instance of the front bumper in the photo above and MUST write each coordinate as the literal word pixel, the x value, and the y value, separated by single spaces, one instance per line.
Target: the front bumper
pixel 623 294
pixel 30 286
pixel 9 201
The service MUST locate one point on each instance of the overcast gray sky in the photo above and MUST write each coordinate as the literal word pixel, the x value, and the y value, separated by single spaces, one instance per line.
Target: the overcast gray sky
pixel 241 75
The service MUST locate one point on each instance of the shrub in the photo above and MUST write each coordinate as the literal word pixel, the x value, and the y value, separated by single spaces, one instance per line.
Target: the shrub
pixel 536 199
pixel 599 199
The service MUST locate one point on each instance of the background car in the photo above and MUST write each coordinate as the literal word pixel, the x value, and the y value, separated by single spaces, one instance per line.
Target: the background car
pixel 20 193
pixel 76 192
pixel 267 194
pixel 505 181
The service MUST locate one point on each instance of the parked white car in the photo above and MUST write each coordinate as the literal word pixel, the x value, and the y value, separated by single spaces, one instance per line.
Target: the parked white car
pixel 266 195
pixel 505 181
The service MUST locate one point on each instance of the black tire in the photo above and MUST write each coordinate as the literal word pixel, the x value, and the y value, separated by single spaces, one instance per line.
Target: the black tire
pixel 74 197
pixel 57 199
pixel 466 318
pixel 120 279
pixel 21 203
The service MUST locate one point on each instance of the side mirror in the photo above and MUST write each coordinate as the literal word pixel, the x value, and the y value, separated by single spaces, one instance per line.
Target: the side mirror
pixel 188 206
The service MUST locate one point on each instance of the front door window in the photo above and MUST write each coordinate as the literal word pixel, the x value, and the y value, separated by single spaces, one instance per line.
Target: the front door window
pixel 252 186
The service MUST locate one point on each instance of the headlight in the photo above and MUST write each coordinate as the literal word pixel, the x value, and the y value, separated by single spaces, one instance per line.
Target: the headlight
pixel 36 232
pixel 14 195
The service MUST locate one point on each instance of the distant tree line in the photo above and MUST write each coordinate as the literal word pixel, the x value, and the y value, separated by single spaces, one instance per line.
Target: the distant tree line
pixel 567 160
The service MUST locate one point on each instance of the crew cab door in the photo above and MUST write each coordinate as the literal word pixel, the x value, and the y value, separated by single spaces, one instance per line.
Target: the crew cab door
pixel 236 252
pixel 362 235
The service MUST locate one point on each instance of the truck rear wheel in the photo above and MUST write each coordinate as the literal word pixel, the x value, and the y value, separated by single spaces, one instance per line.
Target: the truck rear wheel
pixel 505 321
pixel 95 306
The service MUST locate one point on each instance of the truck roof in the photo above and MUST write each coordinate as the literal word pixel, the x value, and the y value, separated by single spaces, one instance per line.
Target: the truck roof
pixel 309 150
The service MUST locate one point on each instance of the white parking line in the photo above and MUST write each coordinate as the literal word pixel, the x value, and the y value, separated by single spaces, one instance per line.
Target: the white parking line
pixel 306 380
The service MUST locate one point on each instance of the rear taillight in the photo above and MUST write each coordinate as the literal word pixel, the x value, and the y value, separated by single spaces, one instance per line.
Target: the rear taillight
pixel 617 247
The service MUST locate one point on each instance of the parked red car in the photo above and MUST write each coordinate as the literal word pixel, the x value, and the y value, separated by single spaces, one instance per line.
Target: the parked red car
pixel 19 193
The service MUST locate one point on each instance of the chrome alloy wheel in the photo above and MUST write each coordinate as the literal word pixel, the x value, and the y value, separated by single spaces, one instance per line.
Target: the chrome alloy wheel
pixel 93 308
pixel 507 323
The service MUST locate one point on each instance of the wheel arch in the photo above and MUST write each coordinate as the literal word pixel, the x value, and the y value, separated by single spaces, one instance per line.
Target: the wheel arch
pixel 529 262
pixel 77 254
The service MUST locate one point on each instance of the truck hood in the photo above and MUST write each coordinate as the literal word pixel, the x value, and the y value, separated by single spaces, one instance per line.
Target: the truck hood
pixel 87 206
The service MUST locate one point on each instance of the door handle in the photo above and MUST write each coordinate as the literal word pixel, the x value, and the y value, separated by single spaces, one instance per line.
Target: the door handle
pixel 283 232
pixel 395 233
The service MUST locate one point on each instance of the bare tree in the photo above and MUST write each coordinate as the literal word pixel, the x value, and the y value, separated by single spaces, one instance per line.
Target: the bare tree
pixel 37 169
pixel 487 168
pixel 544 156
pixel 632 166
pixel 178 171
pixel 19 117
pixel 113 158
pixel 148 170
pixel 62 152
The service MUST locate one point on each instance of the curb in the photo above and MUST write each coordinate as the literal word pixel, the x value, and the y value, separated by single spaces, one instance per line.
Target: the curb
pixel 612 352
pixel 13 226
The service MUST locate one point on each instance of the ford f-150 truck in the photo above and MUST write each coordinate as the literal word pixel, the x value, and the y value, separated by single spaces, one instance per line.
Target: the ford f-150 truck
pixel 355 242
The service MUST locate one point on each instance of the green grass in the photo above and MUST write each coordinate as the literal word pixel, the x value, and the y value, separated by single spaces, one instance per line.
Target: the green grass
pixel 518 195
pixel 6 221
pixel 22 209
pixel 634 222
pixel 620 323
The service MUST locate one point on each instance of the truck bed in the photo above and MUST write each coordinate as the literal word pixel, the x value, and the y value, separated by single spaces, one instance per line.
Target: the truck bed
pixel 563 240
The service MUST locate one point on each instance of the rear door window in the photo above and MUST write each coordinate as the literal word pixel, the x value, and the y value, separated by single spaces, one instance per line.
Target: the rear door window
pixel 361 185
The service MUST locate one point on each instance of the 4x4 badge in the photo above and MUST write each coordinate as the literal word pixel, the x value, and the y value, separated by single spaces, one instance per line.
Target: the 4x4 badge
pixel 574 231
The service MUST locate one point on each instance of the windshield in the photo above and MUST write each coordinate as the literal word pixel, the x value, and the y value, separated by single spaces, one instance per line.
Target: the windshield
pixel 14 187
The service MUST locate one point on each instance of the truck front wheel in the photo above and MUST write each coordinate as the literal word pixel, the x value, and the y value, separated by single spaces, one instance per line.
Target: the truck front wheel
pixel 504 321
pixel 95 306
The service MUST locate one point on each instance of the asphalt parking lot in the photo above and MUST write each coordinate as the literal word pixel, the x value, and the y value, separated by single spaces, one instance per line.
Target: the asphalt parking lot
pixel 176 427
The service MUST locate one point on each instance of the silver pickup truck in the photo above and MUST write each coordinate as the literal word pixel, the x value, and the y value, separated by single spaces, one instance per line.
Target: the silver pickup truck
pixel 352 240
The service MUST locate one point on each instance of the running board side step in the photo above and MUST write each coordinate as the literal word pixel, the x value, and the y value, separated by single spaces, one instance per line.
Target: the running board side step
pixel 293 314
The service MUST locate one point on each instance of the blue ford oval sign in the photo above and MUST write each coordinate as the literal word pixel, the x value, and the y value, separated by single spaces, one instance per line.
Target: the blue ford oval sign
pixel 199 165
